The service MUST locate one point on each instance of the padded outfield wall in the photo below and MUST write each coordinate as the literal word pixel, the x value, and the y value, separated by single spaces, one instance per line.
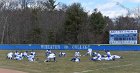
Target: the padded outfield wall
pixel 70 47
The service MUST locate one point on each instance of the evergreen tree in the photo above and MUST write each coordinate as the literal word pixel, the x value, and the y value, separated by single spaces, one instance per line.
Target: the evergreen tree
pixel 75 17
pixel 97 23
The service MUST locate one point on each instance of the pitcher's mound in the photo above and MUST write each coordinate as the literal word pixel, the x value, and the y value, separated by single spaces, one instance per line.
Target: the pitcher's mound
pixel 10 71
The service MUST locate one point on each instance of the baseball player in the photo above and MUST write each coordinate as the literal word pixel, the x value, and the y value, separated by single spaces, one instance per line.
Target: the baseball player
pixel 31 57
pixel 75 59
pixel 62 54
pixel 89 52
pixel 10 55
pixel 51 56
pixel 77 54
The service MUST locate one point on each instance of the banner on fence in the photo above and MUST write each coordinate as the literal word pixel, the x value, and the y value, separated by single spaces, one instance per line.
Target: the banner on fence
pixel 70 47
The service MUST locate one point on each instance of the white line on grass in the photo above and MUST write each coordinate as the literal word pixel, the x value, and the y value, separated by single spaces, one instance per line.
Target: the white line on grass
pixel 103 68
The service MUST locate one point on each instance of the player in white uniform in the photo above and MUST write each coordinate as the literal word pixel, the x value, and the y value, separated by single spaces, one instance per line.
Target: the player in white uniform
pixel 25 54
pixel 97 57
pixel 31 58
pixel 16 54
pixel 116 56
pixel 21 54
pixel 62 54
pixel 110 57
pixel 89 52
pixel 75 59
pixel 33 53
pixel 77 54
pixel 51 56
pixel 18 57
pixel 48 52
pixel 10 55
pixel 94 54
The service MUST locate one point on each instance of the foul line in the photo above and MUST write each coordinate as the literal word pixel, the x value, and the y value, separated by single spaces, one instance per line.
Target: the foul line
pixel 103 68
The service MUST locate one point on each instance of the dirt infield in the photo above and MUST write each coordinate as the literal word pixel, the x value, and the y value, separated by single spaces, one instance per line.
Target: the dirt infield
pixel 10 71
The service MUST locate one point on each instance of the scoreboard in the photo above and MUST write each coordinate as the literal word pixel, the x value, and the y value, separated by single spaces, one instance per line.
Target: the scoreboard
pixel 123 36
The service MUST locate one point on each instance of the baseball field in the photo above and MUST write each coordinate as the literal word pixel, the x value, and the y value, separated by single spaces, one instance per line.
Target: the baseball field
pixel 129 64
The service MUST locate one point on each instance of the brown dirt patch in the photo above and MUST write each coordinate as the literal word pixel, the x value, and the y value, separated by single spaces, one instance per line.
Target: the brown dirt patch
pixel 10 71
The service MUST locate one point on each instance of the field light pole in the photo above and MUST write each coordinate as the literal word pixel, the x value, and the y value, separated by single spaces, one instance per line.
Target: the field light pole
pixel 3 32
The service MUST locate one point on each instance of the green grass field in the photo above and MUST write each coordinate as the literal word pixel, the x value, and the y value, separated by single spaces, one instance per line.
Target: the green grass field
pixel 129 64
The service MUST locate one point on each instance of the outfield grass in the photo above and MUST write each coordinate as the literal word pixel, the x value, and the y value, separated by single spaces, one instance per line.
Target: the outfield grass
pixel 129 64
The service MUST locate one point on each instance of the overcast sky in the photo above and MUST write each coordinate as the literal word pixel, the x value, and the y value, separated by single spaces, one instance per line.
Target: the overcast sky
pixel 107 7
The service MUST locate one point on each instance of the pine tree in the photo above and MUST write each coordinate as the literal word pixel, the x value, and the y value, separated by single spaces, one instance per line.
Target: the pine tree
pixel 97 23
pixel 75 16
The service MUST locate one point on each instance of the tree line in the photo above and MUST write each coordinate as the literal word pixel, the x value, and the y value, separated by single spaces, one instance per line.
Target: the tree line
pixel 46 24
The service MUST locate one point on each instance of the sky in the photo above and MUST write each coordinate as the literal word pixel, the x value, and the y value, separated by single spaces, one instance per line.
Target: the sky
pixel 106 7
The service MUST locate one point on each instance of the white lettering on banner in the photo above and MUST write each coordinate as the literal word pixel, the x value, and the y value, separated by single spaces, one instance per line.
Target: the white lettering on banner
pixel 80 46
pixel 50 46
pixel 83 47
